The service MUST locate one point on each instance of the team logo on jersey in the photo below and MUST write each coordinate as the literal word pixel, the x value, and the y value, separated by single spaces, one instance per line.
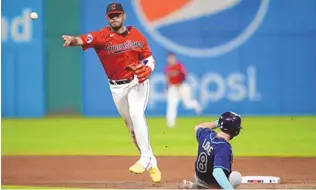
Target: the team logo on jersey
pixel 126 46
pixel 89 38
pixel 202 28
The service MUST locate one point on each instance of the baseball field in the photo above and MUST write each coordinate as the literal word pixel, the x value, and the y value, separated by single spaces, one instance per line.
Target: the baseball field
pixel 97 152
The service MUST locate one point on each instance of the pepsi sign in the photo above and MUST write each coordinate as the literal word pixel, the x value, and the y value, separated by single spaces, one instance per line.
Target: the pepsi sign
pixel 200 22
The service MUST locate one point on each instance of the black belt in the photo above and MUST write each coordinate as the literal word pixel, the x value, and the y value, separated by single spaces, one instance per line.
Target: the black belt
pixel 119 82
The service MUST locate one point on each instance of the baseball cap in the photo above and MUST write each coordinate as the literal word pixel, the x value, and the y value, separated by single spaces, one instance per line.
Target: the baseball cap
pixel 114 8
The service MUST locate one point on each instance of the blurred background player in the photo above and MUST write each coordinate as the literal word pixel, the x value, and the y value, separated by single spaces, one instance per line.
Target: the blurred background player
pixel 178 89
pixel 214 159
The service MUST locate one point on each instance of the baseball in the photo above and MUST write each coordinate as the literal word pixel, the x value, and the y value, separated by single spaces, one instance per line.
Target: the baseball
pixel 34 15
pixel 235 179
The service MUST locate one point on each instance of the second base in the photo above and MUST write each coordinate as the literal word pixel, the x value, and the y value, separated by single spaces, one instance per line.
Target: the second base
pixel 261 179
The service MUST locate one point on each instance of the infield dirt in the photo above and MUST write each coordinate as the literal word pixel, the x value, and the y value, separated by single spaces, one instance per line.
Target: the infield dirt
pixel 112 171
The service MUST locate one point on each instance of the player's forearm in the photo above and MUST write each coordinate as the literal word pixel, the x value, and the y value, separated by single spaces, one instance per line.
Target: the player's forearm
pixel 77 41
pixel 210 125
pixel 167 82
pixel 221 178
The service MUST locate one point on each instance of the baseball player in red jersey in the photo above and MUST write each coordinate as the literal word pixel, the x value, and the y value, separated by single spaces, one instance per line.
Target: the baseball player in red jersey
pixel 128 63
pixel 178 90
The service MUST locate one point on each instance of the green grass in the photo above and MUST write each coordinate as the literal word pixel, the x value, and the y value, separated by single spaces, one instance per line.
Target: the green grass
pixel 262 136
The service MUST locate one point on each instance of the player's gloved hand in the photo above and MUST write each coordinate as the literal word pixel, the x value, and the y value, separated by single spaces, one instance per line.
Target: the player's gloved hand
pixel 142 71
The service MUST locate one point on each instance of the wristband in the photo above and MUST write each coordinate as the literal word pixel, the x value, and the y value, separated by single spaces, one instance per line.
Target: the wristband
pixel 150 62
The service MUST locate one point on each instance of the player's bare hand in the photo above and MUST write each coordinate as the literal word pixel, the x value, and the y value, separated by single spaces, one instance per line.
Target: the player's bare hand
pixel 68 40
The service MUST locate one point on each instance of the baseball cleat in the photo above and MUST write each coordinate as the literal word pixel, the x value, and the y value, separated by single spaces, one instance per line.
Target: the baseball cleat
pixel 184 184
pixel 137 168
pixel 155 174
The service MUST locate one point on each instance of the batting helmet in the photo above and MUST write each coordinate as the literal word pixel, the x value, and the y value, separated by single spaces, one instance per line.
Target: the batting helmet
pixel 230 123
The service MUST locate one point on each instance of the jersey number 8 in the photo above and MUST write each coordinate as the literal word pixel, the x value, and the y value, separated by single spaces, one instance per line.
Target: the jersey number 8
pixel 202 162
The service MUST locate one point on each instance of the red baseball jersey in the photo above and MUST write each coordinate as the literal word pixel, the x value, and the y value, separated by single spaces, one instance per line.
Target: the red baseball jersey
pixel 116 51
pixel 175 73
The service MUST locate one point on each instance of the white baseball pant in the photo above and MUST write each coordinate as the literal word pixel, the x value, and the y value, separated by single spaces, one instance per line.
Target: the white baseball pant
pixel 131 101
pixel 234 178
pixel 175 93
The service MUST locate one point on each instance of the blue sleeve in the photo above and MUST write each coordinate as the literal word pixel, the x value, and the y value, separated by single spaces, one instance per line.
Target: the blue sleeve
pixel 201 133
pixel 221 178
pixel 223 158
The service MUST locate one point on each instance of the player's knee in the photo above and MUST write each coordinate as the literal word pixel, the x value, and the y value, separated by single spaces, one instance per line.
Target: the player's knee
pixel 136 114
pixel 132 132
pixel 188 103
pixel 133 136
pixel 128 123
pixel 235 179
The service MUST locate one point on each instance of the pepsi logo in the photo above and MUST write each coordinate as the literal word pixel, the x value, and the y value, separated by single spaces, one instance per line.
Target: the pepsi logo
pixel 201 28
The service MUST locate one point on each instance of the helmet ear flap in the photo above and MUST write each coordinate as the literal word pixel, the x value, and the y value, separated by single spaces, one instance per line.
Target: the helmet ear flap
pixel 237 132
pixel 222 128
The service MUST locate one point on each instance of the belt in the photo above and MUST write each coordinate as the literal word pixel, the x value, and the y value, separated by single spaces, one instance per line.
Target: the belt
pixel 119 82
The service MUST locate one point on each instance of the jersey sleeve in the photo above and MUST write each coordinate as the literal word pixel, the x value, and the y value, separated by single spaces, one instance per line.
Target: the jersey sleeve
pixel 223 158
pixel 201 133
pixel 91 40
pixel 146 51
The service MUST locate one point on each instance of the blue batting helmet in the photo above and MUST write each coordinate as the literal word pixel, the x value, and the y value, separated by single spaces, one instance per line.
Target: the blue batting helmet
pixel 230 123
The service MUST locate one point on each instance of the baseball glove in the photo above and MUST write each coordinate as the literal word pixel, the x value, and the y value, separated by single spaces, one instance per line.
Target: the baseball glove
pixel 142 71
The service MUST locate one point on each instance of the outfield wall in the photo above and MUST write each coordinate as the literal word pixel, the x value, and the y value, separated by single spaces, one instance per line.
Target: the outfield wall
pixel 254 57
pixel 22 60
